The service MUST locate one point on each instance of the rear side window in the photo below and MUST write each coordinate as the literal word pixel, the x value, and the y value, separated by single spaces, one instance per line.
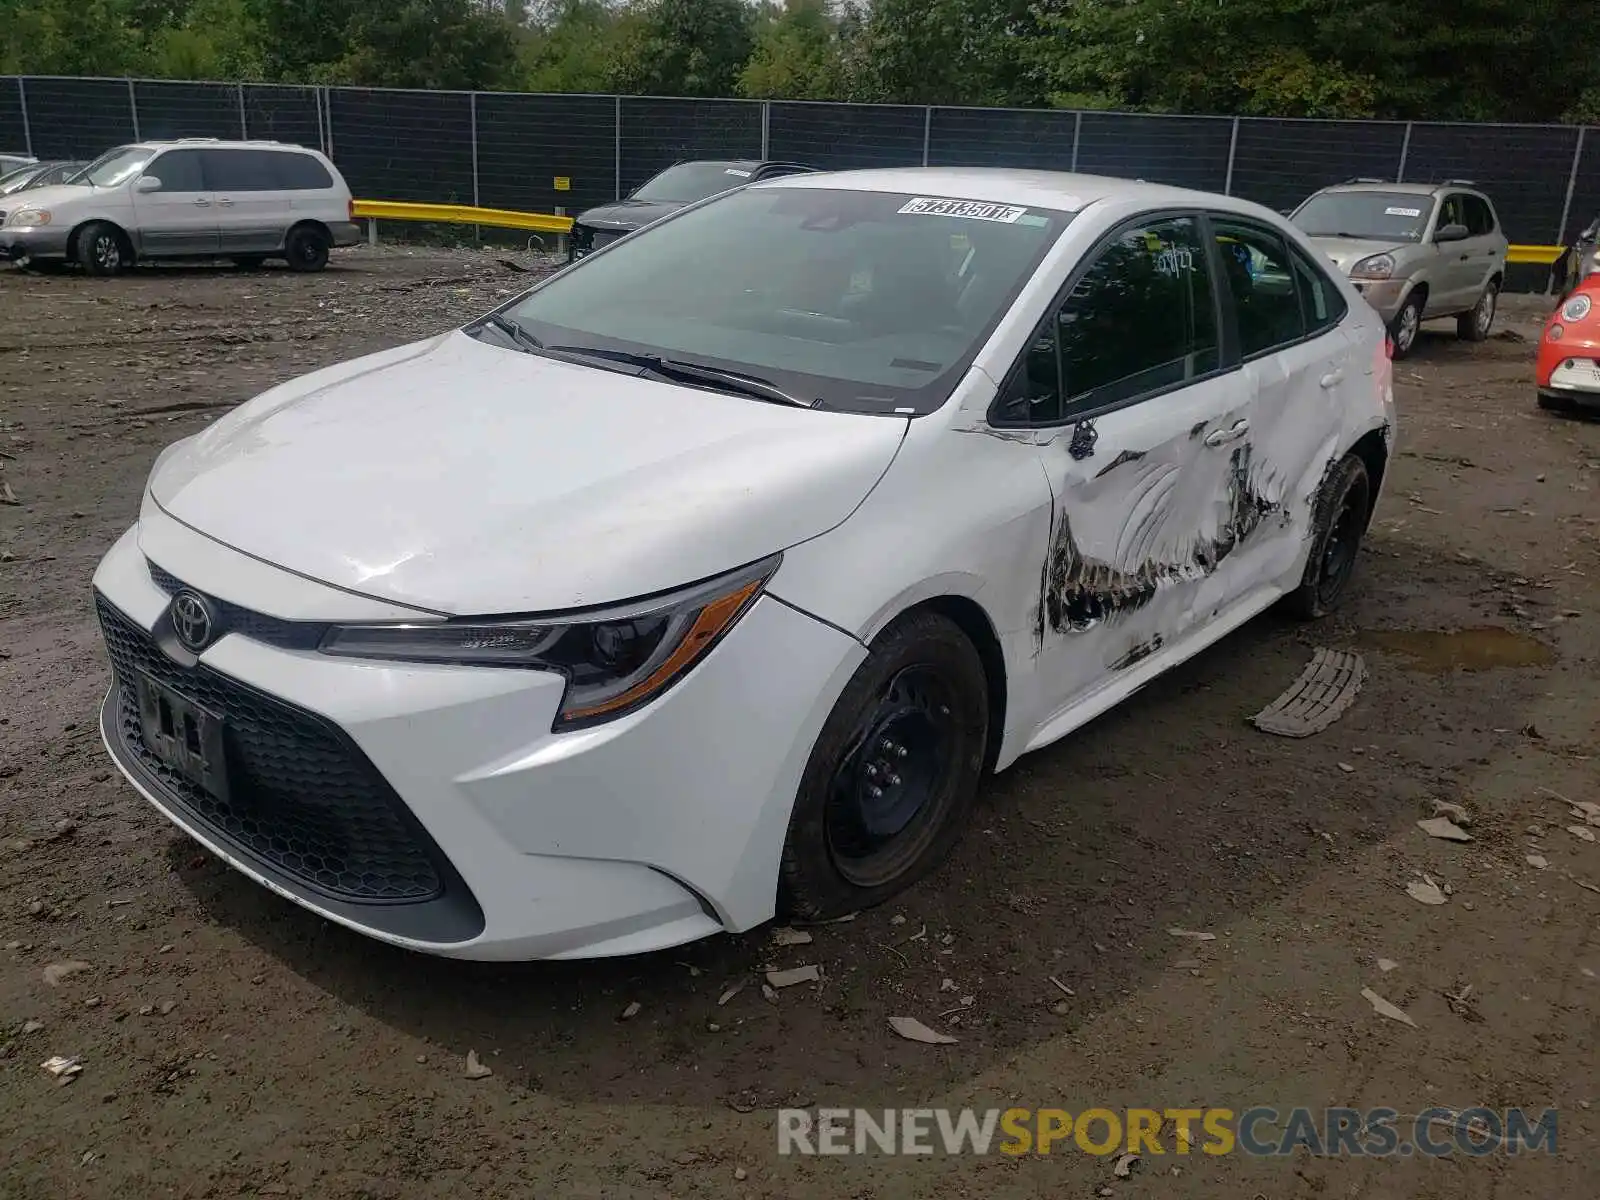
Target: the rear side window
pixel 179 171
pixel 300 172
pixel 1260 283
pixel 1321 302
pixel 1141 319
pixel 265 171
pixel 1480 217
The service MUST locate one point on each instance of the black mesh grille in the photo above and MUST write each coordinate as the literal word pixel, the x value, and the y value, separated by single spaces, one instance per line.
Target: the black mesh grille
pixel 301 796
pixel 233 618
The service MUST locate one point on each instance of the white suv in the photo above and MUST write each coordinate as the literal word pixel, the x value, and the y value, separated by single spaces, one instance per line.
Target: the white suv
pixel 195 198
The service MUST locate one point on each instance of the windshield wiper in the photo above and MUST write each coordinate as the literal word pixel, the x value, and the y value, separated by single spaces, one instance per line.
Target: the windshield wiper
pixel 677 370
pixel 515 332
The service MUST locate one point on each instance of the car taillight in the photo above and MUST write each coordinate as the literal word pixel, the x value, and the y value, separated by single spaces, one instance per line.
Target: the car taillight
pixel 1388 347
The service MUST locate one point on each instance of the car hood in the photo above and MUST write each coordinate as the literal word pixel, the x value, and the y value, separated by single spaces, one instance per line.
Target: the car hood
pixel 628 214
pixel 1347 252
pixel 44 197
pixel 460 477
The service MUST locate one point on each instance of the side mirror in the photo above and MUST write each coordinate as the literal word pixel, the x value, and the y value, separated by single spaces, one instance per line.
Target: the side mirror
pixel 147 183
pixel 1451 233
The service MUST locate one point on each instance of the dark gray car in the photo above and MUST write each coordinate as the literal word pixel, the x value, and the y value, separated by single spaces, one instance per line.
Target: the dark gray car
pixel 680 184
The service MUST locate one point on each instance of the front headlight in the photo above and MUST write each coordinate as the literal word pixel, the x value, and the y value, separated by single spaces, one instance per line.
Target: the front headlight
pixel 28 218
pixel 1376 266
pixel 1575 309
pixel 614 659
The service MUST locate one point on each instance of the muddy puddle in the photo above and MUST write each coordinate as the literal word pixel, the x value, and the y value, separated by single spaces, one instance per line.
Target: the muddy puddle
pixel 1480 648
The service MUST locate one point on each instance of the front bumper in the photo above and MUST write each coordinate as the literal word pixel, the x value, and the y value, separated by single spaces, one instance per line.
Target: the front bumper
pixel 432 808
pixel 1385 295
pixel 44 241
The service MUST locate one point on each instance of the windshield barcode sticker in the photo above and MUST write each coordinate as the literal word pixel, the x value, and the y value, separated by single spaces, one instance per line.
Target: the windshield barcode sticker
pixel 738 172
pixel 972 210
pixel 1402 212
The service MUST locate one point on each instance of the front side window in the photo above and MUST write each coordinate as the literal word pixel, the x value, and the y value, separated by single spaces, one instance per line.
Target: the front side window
pixel 178 171
pixel 1140 319
pixel 862 301
pixel 1451 212
pixel 1260 285
pixel 1366 216
pixel 117 166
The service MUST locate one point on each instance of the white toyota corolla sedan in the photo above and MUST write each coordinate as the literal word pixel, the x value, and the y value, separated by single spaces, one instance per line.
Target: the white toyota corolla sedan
pixel 709 577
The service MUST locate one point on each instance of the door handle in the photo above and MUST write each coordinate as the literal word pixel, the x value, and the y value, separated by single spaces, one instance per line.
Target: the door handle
pixel 1332 378
pixel 226 203
pixel 1223 436
pixel 202 203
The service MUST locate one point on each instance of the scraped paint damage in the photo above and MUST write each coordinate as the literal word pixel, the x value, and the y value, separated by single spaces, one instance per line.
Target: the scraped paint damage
pixel 1139 653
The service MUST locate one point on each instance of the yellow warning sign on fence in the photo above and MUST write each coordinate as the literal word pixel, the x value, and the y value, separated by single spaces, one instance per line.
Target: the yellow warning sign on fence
pixel 563 184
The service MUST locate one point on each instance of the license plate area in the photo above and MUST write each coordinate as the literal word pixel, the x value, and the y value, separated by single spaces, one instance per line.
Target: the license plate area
pixel 184 736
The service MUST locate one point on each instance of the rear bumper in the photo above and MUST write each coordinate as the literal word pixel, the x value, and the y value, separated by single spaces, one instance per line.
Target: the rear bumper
pixel 345 233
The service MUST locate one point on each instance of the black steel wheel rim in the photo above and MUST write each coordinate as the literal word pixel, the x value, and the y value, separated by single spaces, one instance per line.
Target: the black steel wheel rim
pixel 1339 552
pixel 888 795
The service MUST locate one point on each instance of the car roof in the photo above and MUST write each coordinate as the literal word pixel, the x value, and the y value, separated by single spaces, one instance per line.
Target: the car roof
pixel 1062 190
pixel 1406 189
pixel 221 144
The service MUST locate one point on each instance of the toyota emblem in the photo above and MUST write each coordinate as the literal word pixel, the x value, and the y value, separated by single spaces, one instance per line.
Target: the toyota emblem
pixel 192 620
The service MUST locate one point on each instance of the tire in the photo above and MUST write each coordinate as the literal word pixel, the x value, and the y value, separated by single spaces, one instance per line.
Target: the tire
pixel 1344 503
pixel 1474 326
pixel 1406 326
pixel 919 705
pixel 100 248
pixel 248 262
pixel 306 248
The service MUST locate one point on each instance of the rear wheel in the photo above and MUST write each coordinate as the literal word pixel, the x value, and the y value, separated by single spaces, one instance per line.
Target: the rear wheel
pixel 1343 504
pixel 893 774
pixel 101 249
pixel 306 248
pixel 1474 326
pixel 1407 324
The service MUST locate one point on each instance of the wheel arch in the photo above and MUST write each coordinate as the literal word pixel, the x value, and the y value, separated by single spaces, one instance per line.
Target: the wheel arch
pixel 128 242
pixel 1372 448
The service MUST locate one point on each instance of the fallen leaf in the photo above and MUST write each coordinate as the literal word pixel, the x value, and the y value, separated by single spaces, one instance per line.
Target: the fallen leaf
pixel 1384 1009
pixel 475 1069
pixel 731 991
pixel 1386 965
pixel 914 1030
pixel 1124 1165
pixel 786 935
pixel 769 994
pixel 1425 891
pixel 1062 986
pixel 1582 832
pixel 631 1011
pixel 1538 860
pixel 1445 829
pixel 7 496
pixel 782 979
pixel 1189 933
pixel 1347 768
pixel 1443 808
pixel 57 971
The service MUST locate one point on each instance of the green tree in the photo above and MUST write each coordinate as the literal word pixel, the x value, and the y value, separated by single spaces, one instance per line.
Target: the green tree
pixel 427 44
pixel 570 47
pixel 796 55
pixel 68 37
pixel 682 48
pixel 944 52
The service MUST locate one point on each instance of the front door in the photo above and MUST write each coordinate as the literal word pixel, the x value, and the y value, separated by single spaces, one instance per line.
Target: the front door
pixel 179 217
pixel 1456 282
pixel 1132 366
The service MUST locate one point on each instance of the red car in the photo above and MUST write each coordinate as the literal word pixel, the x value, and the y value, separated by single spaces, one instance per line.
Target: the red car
pixel 1569 351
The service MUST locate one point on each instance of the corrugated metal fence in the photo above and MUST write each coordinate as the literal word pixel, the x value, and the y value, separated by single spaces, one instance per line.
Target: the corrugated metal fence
pixel 514 151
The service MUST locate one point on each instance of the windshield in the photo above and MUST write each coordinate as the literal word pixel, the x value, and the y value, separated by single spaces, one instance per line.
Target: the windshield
pixel 862 301
pixel 1371 216
pixel 17 180
pixel 116 166
pixel 689 182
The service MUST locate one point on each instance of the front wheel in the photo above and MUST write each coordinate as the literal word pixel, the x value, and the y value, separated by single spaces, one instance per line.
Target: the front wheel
pixel 1474 326
pixel 101 249
pixel 1343 505
pixel 893 774
pixel 1406 325
pixel 306 249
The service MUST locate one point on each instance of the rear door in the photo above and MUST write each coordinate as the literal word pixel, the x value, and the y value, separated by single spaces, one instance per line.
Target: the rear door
pixel 1485 249
pixel 179 217
pixel 1298 369
pixel 252 201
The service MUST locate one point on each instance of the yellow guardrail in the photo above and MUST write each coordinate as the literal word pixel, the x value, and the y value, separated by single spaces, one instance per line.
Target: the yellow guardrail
pixel 505 218
pixel 461 214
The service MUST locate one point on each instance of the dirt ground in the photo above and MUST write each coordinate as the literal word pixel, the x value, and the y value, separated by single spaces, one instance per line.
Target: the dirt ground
pixel 235 1045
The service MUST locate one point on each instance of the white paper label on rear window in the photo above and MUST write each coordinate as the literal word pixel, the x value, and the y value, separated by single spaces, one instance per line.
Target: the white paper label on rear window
pixel 738 172
pixel 972 210
pixel 1402 212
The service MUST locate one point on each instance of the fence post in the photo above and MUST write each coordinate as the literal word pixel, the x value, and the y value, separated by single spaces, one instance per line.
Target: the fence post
pixel 322 133
pixel 1077 136
pixel 1405 150
pixel 473 101
pixel 1572 183
pixel 27 127
pixel 766 130
pixel 327 112
pixel 1233 148
pixel 927 131
pixel 617 160
pixel 133 111
pixel 244 121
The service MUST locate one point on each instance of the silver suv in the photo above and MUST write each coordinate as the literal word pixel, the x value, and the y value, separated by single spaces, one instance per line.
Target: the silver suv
pixel 1416 251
